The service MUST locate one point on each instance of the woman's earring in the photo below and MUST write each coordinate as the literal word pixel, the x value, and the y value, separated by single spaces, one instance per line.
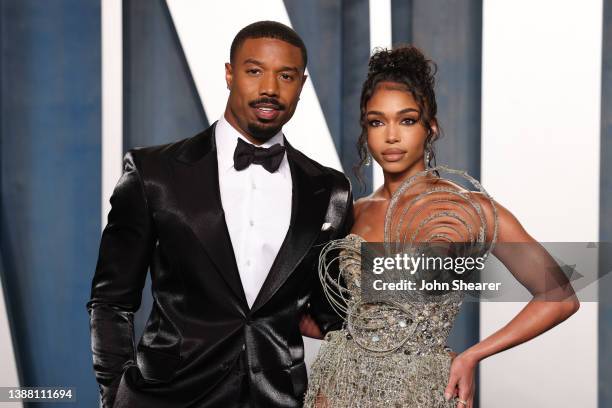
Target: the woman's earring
pixel 368 158
pixel 427 149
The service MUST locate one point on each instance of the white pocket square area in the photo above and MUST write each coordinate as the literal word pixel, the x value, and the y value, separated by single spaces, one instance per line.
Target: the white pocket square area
pixel 326 226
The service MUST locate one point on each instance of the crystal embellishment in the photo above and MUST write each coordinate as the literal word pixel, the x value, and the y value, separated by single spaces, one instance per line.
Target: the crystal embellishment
pixel 392 355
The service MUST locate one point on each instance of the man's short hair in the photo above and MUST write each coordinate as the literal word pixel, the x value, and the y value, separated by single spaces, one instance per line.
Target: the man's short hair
pixel 268 29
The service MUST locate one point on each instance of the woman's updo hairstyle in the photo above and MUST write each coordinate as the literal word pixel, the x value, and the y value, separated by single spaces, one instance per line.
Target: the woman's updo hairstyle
pixel 407 66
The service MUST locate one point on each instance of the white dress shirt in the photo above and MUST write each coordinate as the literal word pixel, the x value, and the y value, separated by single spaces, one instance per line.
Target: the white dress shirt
pixel 257 207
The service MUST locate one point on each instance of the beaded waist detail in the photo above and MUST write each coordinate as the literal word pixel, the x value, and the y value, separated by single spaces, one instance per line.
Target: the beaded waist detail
pixel 352 376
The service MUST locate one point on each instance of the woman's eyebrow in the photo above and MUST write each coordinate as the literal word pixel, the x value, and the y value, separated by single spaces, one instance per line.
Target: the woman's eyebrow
pixel 407 110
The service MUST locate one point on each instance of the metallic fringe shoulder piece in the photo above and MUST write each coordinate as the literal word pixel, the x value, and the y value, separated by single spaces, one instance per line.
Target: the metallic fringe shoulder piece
pixel 347 250
pixel 441 205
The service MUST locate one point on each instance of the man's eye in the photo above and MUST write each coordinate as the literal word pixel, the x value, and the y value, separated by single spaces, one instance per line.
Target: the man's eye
pixel 253 71
pixel 375 123
pixel 286 77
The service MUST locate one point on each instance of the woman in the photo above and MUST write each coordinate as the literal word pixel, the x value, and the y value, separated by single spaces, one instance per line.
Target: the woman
pixel 403 362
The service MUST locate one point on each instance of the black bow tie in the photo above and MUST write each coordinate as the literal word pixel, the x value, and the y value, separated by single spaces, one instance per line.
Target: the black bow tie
pixel 270 158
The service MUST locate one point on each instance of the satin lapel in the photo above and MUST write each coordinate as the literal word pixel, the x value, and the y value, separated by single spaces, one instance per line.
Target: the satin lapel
pixel 309 203
pixel 197 187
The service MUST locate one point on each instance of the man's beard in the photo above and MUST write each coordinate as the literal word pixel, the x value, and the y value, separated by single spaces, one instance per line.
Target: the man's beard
pixel 262 133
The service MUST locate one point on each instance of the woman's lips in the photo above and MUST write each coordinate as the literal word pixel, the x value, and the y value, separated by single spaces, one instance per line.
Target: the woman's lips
pixel 393 155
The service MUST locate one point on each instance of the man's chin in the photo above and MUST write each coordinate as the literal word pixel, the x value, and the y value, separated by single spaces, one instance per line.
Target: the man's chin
pixel 263 133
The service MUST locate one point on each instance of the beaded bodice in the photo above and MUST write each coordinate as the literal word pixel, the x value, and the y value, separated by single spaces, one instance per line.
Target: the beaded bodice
pixel 409 327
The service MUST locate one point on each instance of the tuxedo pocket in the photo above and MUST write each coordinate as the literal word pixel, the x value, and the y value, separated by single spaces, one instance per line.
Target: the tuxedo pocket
pixel 298 378
pixel 157 366
pixel 326 226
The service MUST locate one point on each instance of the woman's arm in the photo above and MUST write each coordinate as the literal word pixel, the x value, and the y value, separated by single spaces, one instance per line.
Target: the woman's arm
pixel 553 298
pixel 553 301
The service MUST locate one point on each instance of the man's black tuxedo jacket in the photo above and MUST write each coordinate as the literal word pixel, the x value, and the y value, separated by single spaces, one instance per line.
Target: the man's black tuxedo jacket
pixel 203 346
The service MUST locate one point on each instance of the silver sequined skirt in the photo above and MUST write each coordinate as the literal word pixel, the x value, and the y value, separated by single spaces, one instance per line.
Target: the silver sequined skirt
pixel 346 375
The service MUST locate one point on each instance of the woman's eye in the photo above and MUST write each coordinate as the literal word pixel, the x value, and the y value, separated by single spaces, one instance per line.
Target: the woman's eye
pixel 375 123
pixel 409 121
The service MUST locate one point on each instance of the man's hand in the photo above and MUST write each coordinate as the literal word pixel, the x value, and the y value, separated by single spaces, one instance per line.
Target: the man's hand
pixel 309 328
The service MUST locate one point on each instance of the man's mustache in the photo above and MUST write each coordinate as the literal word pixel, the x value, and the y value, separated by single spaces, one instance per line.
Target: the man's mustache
pixel 270 102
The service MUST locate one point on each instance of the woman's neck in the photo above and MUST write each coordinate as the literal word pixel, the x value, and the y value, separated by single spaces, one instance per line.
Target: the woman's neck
pixel 394 180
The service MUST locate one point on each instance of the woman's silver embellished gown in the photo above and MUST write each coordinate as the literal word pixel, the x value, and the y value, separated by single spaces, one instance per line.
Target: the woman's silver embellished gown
pixel 347 373
pixel 394 353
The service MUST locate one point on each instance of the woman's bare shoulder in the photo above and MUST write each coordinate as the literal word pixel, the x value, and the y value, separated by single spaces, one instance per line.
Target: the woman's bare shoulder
pixel 362 204
pixel 509 227
pixel 359 205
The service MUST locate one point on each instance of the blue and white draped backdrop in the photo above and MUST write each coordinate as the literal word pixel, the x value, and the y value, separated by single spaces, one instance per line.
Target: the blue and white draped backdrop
pixel 82 81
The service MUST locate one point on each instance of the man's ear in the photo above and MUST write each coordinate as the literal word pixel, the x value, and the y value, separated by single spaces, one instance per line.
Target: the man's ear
pixel 229 75
pixel 304 78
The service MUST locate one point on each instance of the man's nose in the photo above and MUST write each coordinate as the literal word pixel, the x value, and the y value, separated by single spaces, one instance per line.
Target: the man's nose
pixel 269 85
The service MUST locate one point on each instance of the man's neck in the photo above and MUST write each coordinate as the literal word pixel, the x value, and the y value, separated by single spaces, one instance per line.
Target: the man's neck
pixel 231 119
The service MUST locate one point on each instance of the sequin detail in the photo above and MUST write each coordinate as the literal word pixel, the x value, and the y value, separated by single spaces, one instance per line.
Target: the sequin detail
pixel 387 358
pixel 393 353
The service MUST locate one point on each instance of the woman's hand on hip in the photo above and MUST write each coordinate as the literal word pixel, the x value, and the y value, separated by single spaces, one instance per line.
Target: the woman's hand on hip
pixel 461 380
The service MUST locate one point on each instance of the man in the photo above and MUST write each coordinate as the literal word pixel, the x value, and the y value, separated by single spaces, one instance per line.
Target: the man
pixel 230 222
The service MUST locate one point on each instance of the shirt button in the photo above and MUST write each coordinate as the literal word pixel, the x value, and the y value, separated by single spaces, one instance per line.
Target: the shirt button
pixel 248 263
pixel 251 223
